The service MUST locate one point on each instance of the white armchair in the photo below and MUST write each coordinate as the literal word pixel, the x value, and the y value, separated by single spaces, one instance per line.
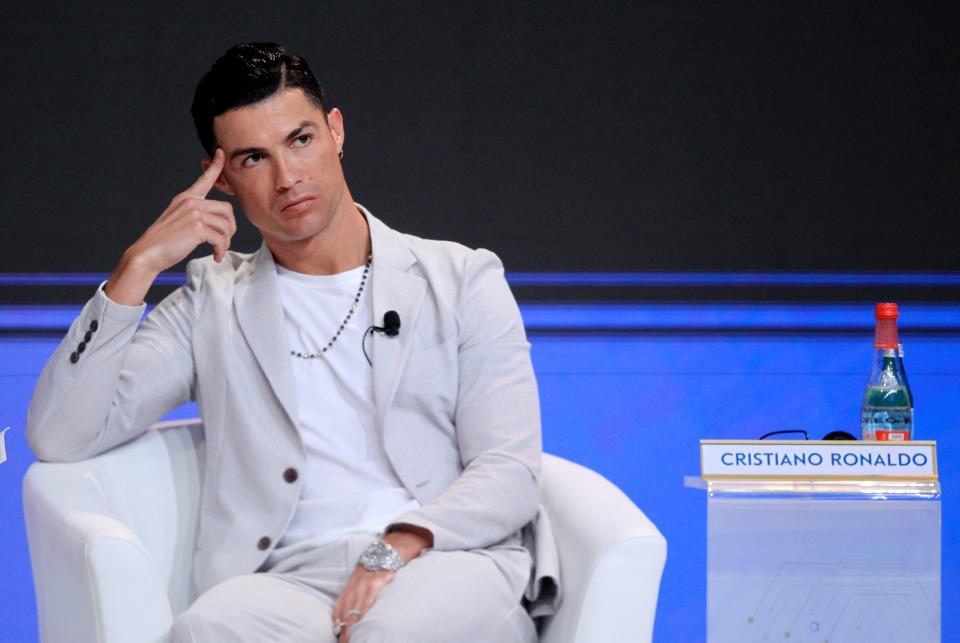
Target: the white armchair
pixel 111 544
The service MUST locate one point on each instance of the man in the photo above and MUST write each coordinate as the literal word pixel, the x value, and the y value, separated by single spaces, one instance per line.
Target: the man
pixel 363 482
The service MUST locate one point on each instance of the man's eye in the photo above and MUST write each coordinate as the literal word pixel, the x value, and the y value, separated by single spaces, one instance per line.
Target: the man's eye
pixel 253 159
pixel 302 140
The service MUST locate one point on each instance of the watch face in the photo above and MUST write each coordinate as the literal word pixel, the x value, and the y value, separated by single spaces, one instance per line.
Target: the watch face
pixel 380 556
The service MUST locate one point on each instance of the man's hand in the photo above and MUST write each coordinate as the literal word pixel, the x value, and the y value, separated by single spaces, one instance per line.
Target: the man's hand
pixel 189 220
pixel 363 586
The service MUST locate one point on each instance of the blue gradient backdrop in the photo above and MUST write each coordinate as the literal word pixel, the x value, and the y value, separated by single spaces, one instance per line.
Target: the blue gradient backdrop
pixel 633 406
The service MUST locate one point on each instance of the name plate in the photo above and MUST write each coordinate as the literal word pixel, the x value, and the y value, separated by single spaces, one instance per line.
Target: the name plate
pixel 817 459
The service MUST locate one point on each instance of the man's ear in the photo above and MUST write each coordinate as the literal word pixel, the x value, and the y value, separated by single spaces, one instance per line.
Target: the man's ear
pixel 221 183
pixel 335 123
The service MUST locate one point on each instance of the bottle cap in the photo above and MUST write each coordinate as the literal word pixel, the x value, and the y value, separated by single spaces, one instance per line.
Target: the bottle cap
pixel 886 311
pixel 886 334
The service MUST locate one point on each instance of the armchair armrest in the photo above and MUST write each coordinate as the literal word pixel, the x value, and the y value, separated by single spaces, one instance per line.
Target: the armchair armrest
pixel 95 579
pixel 611 558
pixel 110 539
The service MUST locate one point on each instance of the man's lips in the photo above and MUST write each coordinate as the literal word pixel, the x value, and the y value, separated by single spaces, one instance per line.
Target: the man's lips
pixel 298 205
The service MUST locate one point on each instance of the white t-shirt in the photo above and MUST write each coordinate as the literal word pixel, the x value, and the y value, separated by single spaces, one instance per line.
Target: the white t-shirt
pixel 349 486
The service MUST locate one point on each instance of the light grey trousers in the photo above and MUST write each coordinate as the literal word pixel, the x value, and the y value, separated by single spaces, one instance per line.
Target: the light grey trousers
pixel 461 596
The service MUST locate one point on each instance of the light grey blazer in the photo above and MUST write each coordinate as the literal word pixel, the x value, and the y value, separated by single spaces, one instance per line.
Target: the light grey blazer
pixel 455 394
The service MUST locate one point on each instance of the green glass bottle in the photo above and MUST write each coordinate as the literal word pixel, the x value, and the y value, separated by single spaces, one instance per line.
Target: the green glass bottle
pixel 887 409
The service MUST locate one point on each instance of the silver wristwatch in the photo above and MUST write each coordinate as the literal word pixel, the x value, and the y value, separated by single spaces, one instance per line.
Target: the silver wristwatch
pixel 380 556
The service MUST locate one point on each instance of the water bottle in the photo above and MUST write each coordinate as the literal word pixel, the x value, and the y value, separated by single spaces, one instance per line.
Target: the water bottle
pixel 887 410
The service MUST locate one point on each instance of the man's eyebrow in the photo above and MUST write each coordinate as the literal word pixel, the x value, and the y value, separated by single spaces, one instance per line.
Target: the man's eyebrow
pixel 259 150
pixel 295 133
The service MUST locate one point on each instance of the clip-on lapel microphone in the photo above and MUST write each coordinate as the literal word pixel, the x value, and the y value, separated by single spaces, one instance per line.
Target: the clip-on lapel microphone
pixel 390 328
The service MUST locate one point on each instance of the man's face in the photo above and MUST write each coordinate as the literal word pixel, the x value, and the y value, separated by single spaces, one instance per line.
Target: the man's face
pixel 282 165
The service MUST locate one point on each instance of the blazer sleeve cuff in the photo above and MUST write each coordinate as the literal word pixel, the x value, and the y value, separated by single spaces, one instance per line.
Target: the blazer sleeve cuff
pixel 105 308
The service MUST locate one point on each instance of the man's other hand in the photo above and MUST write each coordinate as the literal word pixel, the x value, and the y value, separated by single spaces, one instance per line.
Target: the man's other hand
pixel 363 586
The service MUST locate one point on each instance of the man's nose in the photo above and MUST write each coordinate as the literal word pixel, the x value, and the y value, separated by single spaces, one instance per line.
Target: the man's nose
pixel 288 173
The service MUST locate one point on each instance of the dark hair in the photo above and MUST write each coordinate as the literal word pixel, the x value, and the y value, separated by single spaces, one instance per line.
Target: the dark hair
pixel 247 74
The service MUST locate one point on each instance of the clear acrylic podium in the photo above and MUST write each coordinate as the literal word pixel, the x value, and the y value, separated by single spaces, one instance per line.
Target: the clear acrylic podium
pixel 825 561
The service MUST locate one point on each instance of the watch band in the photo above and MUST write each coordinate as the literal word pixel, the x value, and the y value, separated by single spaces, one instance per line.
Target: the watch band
pixel 380 556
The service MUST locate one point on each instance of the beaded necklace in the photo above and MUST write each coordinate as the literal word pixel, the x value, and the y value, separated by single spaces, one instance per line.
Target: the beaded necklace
pixel 353 307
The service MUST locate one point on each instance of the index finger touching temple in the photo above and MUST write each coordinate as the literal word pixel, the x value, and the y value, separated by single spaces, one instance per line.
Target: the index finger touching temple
pixel 209 177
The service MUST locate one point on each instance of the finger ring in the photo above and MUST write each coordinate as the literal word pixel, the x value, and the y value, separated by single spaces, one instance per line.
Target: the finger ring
pixel 337 626
pixel 357 612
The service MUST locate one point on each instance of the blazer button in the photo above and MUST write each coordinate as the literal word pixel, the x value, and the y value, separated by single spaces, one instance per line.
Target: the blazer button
pixel 87 335
pixel 290 475
pixel 74 356
pixel 263 544
pixel 94 325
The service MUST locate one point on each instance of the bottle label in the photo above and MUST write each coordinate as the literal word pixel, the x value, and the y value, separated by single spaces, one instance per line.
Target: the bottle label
pixel 892 436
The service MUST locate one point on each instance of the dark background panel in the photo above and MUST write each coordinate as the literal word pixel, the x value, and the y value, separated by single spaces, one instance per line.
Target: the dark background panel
pixel 574 136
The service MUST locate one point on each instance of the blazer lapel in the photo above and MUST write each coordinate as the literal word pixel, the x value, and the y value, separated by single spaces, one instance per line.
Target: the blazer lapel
pixel 260 314
pixel 393 288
